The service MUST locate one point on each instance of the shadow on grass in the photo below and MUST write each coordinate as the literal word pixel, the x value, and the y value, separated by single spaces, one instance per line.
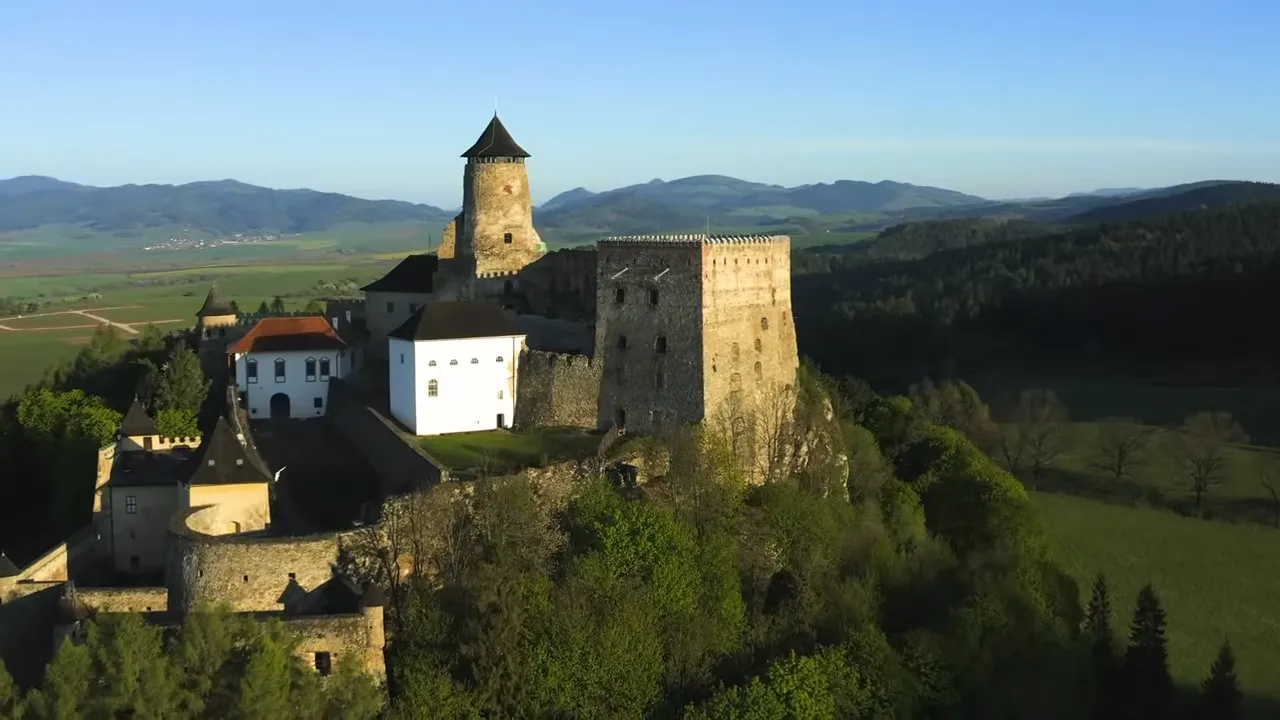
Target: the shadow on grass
pixel 1132 494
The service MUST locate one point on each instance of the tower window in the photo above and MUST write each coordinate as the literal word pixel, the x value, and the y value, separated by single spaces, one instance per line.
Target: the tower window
pixel 764 323
pixel 653 296
pixel 620 295
pixel 759 345
pixel 759 368
pixel 506 238
pixel 622 342
pixel 660 345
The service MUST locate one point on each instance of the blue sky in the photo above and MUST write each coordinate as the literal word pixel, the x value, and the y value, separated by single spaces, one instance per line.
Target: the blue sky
pixel 375 98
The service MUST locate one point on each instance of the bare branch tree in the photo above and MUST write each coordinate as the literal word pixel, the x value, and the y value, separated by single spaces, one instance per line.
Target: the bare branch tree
pixel 1201 450
pixel 1037 437
pixel 1269 478
pixel 1122 445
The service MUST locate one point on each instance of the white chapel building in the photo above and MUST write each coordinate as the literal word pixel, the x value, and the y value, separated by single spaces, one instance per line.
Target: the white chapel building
pixel 284 364
pixel 453 368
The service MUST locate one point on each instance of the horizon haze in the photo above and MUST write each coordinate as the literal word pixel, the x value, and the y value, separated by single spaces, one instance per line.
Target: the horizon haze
pixel 994 98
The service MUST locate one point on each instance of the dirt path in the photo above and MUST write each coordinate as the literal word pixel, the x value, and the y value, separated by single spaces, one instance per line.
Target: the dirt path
pixel 127 328
pixel 88 314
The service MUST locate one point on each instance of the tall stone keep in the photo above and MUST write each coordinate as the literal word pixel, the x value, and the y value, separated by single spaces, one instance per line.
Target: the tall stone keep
pixel 496 230
pixel 692 328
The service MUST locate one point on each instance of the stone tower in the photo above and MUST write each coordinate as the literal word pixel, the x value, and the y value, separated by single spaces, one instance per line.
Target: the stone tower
pixel 692 328
pixel 495 231
pixel 217 325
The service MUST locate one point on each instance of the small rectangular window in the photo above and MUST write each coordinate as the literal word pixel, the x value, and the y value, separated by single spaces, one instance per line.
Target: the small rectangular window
pixel 319 402
pixel 324 663
pixel 391 307
pixel 131 504
pixel 653 296
pixel 499 394
pixel 620 295
pixel 506 238
pixel 413 307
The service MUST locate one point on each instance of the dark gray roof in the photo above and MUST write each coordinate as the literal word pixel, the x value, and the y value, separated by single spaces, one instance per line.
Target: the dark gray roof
pixel 223 460
pixel 456 320
pixel 7 568
pixel 149 469
pixel 414 274
pixel 137 421
pixel 495 141
pixel 215 304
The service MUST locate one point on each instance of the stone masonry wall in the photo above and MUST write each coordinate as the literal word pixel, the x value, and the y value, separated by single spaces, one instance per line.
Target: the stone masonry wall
pixel 345 637
pixel 749 339
pixel 398 459
pixel 251 574
pixel 648 333
pixel 496 201
pixel 124 599
pixel 449 239
pixel 556 390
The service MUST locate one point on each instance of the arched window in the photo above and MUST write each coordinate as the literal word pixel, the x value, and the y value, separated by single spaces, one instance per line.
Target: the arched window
pixel 251 370
pixel 433 388
pixel 759 368
pixel 431 363
pixel 324 368
pixel 280 370
pixel 310 365
pixel 475 361
pixel 453 362
pixel 499 358
pixel 660 345
pixel 764 323
pixel 759 345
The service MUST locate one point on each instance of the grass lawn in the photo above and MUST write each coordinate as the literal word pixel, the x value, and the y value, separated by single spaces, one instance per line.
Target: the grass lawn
pixel 1216 581
pixel 506 451
pixel 1160 483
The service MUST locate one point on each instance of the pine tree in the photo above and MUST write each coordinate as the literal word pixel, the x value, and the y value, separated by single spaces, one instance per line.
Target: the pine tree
pixel 263 309
pixel 1102 644
pixel 277 304
pixel 1220 697
pixel 182 384
pixel 1147 685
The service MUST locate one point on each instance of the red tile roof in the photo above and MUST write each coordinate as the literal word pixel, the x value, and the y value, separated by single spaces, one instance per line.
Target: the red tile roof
pixel 282 334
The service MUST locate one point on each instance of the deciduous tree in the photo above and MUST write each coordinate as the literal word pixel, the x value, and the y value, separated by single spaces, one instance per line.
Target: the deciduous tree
pixel 1122 443
pixel 1201 451
pixel 1037 436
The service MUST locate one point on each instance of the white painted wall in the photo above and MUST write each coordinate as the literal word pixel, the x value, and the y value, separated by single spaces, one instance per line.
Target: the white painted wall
pixel 469 396
pixel 400 380
pixel 301 391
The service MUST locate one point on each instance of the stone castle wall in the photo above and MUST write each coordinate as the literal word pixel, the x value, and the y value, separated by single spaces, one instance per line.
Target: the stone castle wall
pixel 649 333
pixel 345 637
pixel 556 390
pixel 561 284
pixel 124 599
pixel 251 574
pixel 748 333
pixel 449 239
pixel 400 462
pixel 496 201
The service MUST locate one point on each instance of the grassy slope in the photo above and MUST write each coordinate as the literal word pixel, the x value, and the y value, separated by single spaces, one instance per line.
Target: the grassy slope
pixel 1216 580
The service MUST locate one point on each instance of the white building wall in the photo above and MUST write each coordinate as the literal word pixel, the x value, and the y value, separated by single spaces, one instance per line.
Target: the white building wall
pixel 302 392
pixel 470 396
pixel 400 380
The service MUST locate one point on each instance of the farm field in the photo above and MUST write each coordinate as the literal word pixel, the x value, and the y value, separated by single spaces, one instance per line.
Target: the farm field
pixel 1216 581
pixel 26 352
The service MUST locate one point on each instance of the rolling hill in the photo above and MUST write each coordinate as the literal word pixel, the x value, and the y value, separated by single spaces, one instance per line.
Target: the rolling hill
pixel 219 207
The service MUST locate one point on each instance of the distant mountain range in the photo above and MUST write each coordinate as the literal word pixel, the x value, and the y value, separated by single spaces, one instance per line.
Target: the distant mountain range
pixel 103 215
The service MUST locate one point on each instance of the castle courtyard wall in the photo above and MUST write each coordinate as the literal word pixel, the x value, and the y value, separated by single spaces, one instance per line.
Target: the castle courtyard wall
pixel 399 461
pixel 557 390
pixel 124 599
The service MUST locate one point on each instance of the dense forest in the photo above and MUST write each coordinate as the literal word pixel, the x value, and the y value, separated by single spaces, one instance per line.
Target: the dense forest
pixel 1188 296
pixel 908 580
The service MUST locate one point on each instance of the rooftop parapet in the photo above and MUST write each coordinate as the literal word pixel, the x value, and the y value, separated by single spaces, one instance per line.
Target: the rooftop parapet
pixel 693 239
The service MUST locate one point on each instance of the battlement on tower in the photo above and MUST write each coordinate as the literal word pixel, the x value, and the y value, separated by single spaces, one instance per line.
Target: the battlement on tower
pixel 692 239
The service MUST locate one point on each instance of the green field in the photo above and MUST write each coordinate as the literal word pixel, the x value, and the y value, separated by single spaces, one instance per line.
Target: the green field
pixel 26 354
pixel 1217 581
pixel 503 450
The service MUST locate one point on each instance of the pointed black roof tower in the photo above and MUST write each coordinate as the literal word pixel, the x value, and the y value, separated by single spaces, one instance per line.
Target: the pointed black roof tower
pixel 137 422
pixel 223 460
pixel 215 304
pixel 495 141
pixel 7 568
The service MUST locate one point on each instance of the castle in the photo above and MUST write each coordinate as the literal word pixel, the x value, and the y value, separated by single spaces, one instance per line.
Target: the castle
pixel 639 334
